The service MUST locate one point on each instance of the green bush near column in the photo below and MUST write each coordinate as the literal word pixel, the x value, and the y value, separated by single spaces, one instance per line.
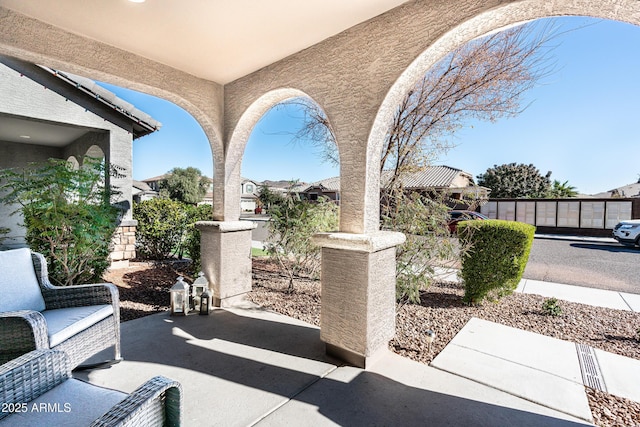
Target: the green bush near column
pixel 498 254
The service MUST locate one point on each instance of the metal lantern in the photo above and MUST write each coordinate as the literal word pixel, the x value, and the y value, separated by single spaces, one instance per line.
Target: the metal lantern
pixel 199 286
pixel 180 298
pixel 205 302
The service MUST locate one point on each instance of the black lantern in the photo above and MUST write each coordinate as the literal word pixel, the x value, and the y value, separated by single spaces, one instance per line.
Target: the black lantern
pixel 205 302
pixel 199 286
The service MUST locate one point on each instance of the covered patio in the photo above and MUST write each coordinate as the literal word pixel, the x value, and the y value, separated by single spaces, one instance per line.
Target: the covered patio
pixel 247 366
pixel 228 63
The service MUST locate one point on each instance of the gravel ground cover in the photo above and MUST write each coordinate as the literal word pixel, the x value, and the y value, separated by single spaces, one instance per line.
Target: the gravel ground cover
pixel 144 290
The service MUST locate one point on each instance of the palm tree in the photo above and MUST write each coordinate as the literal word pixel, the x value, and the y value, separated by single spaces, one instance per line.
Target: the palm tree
pixel 560 190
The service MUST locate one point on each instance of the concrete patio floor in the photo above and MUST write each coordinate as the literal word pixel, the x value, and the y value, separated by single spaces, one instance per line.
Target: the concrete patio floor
pixel 246 366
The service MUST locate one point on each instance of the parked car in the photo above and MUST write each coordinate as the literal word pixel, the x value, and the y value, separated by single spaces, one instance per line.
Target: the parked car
pixel 460 215
pixel 628 232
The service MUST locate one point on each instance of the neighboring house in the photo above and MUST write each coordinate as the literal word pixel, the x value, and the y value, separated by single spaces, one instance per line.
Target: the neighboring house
pixel 283 187
pixel 46 113
pixel 433 179
pixel 156 182
pixel 328 188
pixel 631 190
pixel 248 195
pixel 141 191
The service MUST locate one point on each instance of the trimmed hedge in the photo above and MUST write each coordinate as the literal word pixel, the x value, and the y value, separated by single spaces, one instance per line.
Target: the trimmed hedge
pixel 496 259
pixel 161 225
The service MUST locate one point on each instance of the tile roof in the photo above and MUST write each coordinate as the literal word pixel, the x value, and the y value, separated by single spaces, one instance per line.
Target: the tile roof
pixel 430 177
pixel 329 184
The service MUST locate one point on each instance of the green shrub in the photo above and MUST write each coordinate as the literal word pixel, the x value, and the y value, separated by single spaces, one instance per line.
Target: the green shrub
pixel 551 307
pixel 161 227
pixel 496 259
pixel 192 234
pixel 293 223
pixel 69 215
pixel 428 241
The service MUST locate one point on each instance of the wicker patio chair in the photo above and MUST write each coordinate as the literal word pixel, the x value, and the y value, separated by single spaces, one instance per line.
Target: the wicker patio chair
pixel 37 389
pixel 34 314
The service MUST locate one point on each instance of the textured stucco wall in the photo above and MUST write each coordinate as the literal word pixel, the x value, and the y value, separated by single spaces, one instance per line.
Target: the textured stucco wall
pixel 358 299
pixel 225 250
pixel 357 77
pixel 360 75
pixel 349 75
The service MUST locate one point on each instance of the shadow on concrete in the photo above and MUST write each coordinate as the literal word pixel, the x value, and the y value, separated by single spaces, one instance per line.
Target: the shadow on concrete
pixel 605 247
pixel 371 399
pixel 275 372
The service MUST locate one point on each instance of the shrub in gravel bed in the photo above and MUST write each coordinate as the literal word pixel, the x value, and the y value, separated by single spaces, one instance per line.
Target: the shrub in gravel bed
pixel 551 307
pixel 496 259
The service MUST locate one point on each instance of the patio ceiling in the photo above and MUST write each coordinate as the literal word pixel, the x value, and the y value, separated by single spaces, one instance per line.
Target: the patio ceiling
pixel 30 131
pixel 219 40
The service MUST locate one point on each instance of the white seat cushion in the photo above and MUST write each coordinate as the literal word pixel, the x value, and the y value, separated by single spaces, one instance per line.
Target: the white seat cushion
pixel 64 323
pixel 72 403
pixel 19 288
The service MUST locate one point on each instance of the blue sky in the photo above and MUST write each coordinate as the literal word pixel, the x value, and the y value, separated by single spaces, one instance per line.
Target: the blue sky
pixel 582 124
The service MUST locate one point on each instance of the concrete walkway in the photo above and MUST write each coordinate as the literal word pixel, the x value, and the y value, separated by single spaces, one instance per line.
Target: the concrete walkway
pixel 247 366
pixel 579 294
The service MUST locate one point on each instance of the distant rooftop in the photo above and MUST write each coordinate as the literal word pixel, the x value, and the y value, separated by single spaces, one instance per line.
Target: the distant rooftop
pixel 630 190
pixel 430 177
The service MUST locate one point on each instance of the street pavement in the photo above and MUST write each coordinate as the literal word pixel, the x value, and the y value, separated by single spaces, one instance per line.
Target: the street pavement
pixel 584 261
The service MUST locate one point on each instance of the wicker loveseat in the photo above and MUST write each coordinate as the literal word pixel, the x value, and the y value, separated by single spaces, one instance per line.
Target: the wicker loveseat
pixel 34 314
pixel 37 389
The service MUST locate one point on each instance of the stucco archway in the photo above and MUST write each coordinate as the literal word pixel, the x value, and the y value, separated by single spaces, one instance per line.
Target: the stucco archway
pixel 73 162
pixel 95 152
pixel 483 24
pixel 227 197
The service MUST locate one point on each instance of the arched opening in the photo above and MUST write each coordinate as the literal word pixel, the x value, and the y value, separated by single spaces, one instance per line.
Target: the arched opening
pixel 291 161
pixel 75 118
pixel 95 152
pixel 73 161
pixel 241 136
pixel 554 150
pixel 485 23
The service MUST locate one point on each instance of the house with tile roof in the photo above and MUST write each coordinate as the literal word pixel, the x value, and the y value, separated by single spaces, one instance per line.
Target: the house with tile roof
pixel 433 179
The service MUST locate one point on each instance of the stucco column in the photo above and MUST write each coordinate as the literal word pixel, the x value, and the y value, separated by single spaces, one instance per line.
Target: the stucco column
pixel 358 278
pixel 225 250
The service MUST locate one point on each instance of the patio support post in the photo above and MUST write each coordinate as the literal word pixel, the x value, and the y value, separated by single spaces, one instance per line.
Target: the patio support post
pixel 225 251
pixel 358 278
